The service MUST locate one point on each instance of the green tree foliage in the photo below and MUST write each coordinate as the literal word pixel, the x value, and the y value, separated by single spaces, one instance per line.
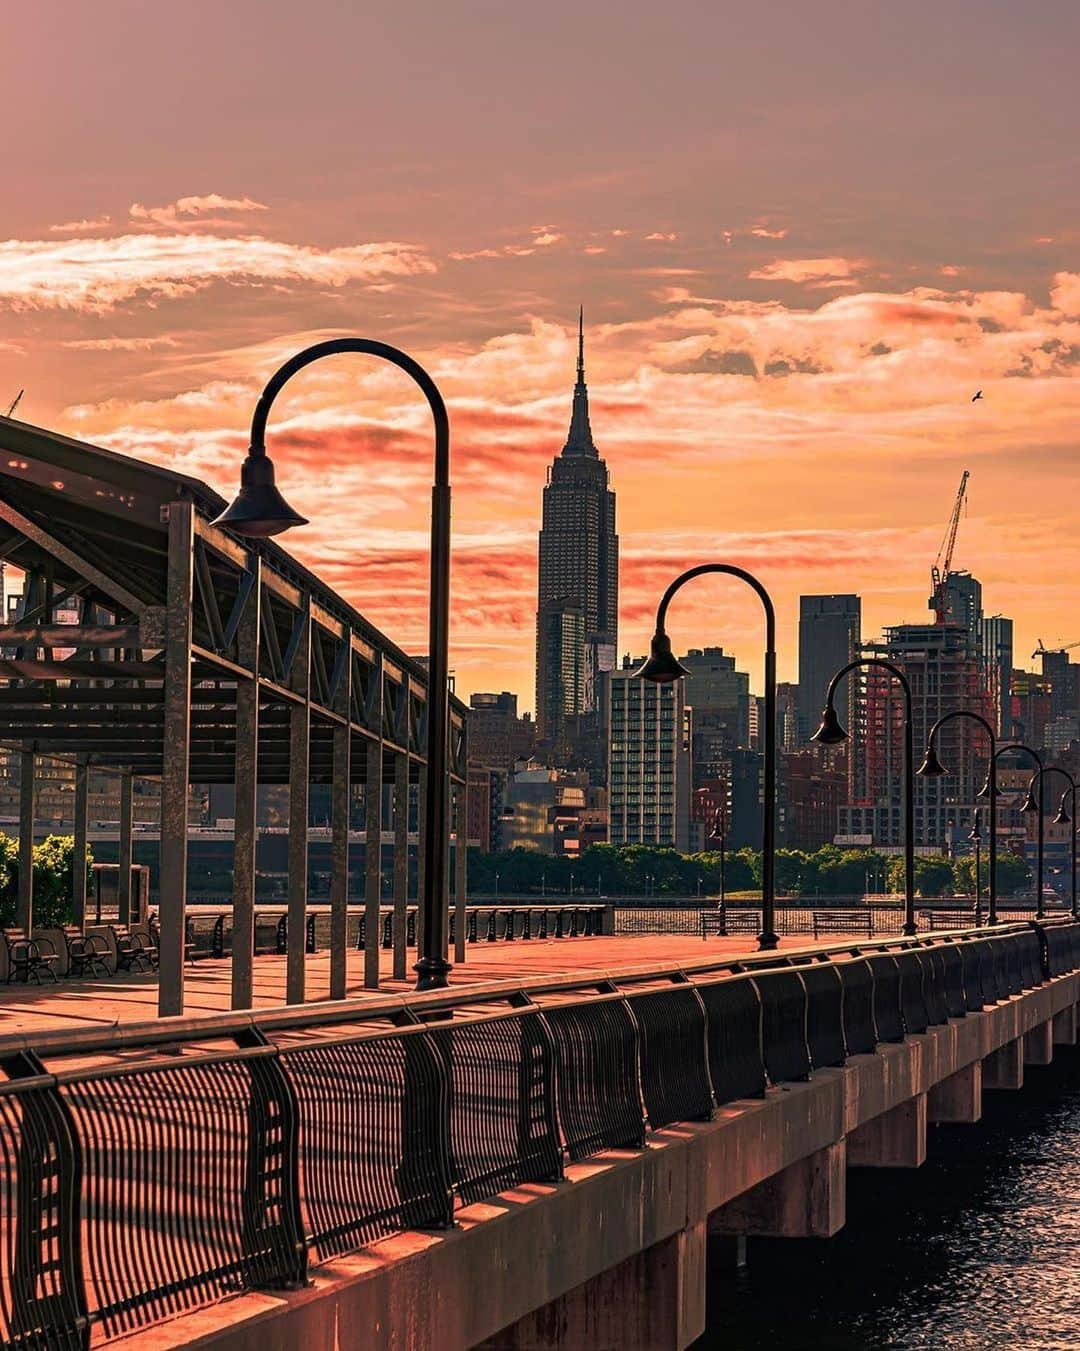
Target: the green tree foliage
pixel 638 870
pixel 1013 874
pixel 54 860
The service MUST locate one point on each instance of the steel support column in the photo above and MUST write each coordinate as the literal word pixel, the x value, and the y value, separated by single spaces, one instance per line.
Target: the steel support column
pixel 299 773
pixel 24 913
pixel 174 778
pixel 340 805
pixel 401 865
pixel 124 851
pixel 372 864
pixel 245 781
pixel 421 833
pixel 461 867
pixel 78 863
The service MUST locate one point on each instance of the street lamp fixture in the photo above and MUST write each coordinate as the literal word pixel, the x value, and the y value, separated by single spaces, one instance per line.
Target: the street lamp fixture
pixel 832 733
pixel 976 839
pixel 1032 803
pixel 1063 818
pixel 662 668
pixel 932 768
pixel 259 511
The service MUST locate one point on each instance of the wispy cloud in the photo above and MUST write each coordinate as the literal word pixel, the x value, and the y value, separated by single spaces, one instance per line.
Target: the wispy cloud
pixel 817 272
pixel 80 227
pixel 193 210
pixel 96 275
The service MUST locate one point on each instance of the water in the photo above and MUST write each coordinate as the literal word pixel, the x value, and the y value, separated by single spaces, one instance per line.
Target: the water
pixel 977 1250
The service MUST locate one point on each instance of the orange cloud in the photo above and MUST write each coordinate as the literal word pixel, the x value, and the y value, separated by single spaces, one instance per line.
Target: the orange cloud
pixel 175 215
pixel 96 275
pixel 820 272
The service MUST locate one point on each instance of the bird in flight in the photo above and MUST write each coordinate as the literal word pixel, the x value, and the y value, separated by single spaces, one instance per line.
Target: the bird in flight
pixel 976 395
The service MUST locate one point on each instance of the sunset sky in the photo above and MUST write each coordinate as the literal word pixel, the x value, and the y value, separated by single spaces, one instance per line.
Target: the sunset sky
pixel 803 234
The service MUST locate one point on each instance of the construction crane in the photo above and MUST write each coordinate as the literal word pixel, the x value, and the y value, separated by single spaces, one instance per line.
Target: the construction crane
pixel 1042 650
pixel 15 403
pixel 939 573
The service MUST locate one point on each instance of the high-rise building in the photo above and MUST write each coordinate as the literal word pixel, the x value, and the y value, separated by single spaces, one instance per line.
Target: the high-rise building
pixel 720 698
pixel 829 633
pixel 997 647
pixel 578 601
pixel 497 736
pixel 945 674
pixel 963 605
pixel 1061 676
pixel 1030 707
pixel 560 671
pixel 649 783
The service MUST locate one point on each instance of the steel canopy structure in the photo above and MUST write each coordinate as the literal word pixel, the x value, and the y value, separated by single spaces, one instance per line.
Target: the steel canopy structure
pixel 198 658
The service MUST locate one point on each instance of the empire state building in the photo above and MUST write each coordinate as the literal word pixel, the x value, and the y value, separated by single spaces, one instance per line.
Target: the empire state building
pixel 578 605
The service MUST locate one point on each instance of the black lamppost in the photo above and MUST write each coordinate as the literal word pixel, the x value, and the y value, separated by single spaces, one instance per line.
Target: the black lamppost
pixel 259 510
pixel 1031 804
pixel 932 768
pixel 1063 817
pixel 718 834
pixel 832 733
pixel 662 668
pixel 976 839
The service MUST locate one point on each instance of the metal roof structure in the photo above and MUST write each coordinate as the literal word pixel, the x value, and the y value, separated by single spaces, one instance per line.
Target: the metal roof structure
pixel 90 528
pixel 198 657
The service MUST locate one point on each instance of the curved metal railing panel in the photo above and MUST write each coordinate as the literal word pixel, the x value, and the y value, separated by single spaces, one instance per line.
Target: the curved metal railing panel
pixel 733 1029
pixel 675 1079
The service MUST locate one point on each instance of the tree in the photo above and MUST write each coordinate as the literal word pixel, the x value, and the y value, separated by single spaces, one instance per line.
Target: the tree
pixel 933 875
pixel 53 880
pixel 1013 874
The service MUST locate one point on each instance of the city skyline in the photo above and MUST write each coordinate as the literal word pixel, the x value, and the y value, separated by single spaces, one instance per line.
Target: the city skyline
pixel 781 366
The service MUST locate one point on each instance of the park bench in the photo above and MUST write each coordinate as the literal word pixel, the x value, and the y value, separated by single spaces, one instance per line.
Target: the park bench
pixel 854 921
pixel 87 954
pixel 25 957
pixel 713 922
pixel 724 922
pixel 133 953
pixel 948 919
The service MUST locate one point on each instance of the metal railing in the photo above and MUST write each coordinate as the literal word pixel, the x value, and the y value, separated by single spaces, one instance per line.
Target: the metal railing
pixel 209 928
pixel 165 1166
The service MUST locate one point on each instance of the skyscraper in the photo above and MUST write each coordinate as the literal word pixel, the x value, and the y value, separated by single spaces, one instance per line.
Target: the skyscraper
pixel 578 602
pixel 829 632
pixel 997 636
pixel 649 774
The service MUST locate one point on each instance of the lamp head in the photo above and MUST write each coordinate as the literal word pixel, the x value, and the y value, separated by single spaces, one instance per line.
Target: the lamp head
pixel 1063 818
pixel 1030 803
pixel 258 510
pixel 931 767
pixel 831 732
pixel 662 667
pixel 984 791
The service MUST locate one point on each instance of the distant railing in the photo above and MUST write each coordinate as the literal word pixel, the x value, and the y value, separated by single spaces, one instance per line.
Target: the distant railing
pixel 152 1172
pixel 826 917
pixel 209 928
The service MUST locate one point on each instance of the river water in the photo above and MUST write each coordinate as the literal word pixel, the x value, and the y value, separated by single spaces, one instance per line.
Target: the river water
pixel 977 1250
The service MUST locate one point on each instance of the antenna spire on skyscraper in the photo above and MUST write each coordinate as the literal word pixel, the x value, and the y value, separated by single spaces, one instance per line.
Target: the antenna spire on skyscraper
pixel 579 439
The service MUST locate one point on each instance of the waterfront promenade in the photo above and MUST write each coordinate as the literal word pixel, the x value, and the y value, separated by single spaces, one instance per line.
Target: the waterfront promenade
pixel 518 1163
pixel 131 997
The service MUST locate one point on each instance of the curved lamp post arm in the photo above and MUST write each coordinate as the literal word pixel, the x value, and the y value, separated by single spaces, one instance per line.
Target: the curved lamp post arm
pixel 909 926
pixel 368 347
pixel 884 665
pixel 1040 848
pixel 730 570
pixel 991 735
pixel 662 657
pixel 1069 791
